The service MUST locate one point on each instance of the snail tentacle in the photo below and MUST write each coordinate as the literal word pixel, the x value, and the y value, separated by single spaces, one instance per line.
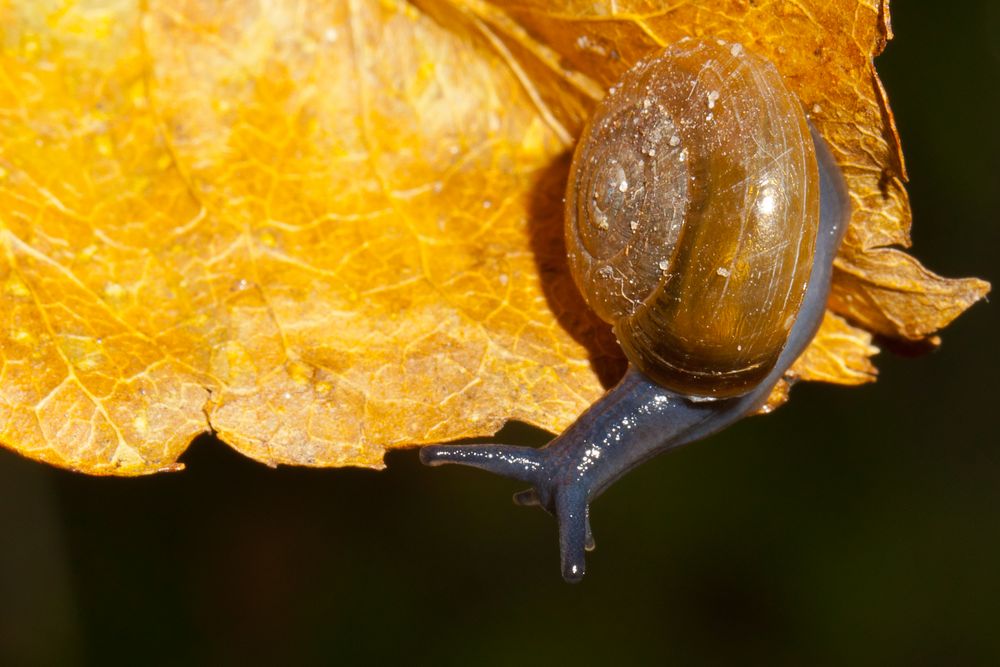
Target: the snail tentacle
pixel 527 498
pixel 514 461
pixel 572 509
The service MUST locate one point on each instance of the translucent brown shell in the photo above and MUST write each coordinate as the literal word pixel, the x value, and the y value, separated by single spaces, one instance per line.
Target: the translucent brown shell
pixel 691 215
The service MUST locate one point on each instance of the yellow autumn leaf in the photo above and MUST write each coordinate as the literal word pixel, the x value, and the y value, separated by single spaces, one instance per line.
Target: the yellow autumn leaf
pixel 327 229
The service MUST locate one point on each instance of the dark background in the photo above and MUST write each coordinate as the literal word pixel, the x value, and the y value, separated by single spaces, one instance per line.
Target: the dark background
pixel 855 526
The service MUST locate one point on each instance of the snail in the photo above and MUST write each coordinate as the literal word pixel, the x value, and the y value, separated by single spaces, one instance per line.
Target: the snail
pixel 703 214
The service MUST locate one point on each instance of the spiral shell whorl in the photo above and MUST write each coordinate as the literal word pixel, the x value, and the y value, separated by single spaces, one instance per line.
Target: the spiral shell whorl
pixel 691 215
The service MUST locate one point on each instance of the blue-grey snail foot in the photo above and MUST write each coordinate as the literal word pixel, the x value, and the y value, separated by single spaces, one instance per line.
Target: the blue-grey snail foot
pixel 566 499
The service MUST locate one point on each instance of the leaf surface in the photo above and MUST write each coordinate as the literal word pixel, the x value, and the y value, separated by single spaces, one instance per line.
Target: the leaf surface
pixel 327 229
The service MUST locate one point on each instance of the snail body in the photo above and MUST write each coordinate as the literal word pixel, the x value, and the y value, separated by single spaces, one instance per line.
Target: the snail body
pixel 703 215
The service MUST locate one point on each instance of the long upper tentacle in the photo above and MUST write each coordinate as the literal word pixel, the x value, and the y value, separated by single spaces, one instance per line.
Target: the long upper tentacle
pixel 521 463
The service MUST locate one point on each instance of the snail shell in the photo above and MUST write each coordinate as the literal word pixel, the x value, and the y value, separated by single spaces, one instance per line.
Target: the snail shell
pixel 691 216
